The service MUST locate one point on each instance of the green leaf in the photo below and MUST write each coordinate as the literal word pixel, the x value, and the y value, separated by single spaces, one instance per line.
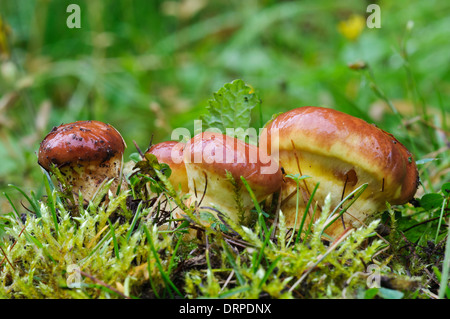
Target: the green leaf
pixel 431 201
pixel 370 293
pixel 386 293
pixel 446 189
pixel 135 157
pixel 231 108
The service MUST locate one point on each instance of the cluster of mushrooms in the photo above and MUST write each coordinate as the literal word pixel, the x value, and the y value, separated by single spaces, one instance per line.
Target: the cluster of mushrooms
pixel 337 151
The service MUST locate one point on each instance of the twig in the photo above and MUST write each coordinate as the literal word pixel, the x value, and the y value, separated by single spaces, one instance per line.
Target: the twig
pixel 139 150
pixel 154 206
pixel 277 214
pixel 1 264
pixel 424 222
pixel 204 191
pixel 12 246
pixel 332 247
pixel 101 283
pixel 227 281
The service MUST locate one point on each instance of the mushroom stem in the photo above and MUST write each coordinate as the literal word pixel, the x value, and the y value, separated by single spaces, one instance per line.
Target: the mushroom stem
pixel 214 165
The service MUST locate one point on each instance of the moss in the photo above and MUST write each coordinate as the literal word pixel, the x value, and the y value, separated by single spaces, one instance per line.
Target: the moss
pixel 111 249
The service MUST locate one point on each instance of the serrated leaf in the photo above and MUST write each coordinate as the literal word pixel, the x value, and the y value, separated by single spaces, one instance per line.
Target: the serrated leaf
pixel 231 108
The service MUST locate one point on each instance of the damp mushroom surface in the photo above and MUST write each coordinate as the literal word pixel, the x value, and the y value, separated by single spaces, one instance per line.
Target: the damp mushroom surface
pixel 87 153
pixel 215 164
pixel 340 153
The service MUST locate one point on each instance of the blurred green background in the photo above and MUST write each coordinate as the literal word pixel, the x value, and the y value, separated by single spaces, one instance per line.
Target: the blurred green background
pixel 149 66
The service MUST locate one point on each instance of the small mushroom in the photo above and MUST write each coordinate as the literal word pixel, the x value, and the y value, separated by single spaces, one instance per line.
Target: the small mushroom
pixel 86 152
pixel 171 153
pixel 209 156
pixel 341 152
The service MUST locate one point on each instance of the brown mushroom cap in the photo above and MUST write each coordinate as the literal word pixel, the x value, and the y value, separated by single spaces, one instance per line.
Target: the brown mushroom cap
pixel 208 156
pixel 80 142
pixel 337 149
pixel 219 153
pixel 171 153
pixel 86 152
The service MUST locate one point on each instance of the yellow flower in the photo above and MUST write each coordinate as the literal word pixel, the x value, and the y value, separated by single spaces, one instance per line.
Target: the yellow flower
pixel 352 27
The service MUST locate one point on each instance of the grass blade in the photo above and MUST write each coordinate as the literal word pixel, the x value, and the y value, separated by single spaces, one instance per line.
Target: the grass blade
pixel 51 202
pixel 354 195
pixel 306 212
pixel 113 234
pixel 257 206
pixel 134 221
pixel 269 271
pixel 166 278
pixel 232 261
pixel 32 202
pixel 445 269
pixel 444 203
pixel 12 205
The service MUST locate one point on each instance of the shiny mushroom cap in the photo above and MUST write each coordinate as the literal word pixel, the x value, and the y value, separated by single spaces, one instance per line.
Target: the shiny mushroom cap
pixel 171 153
pixel 209 156
pixel 342 152
pixel 86 152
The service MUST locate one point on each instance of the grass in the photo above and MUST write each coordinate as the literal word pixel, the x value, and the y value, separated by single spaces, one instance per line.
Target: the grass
pixel 148 67
pixel 120 249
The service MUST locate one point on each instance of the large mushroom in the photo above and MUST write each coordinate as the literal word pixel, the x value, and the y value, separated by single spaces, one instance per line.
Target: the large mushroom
pixel 86 152
pixel 209 156
pixel 171 153
pixel 341 152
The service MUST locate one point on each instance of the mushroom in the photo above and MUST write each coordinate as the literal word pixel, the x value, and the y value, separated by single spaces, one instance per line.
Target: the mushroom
pixel 86 152
pixel 209 156
pixel 341 152
pixel 171 153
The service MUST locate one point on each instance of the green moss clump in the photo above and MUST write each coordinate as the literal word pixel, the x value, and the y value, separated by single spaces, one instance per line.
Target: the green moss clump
pixel 119 249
